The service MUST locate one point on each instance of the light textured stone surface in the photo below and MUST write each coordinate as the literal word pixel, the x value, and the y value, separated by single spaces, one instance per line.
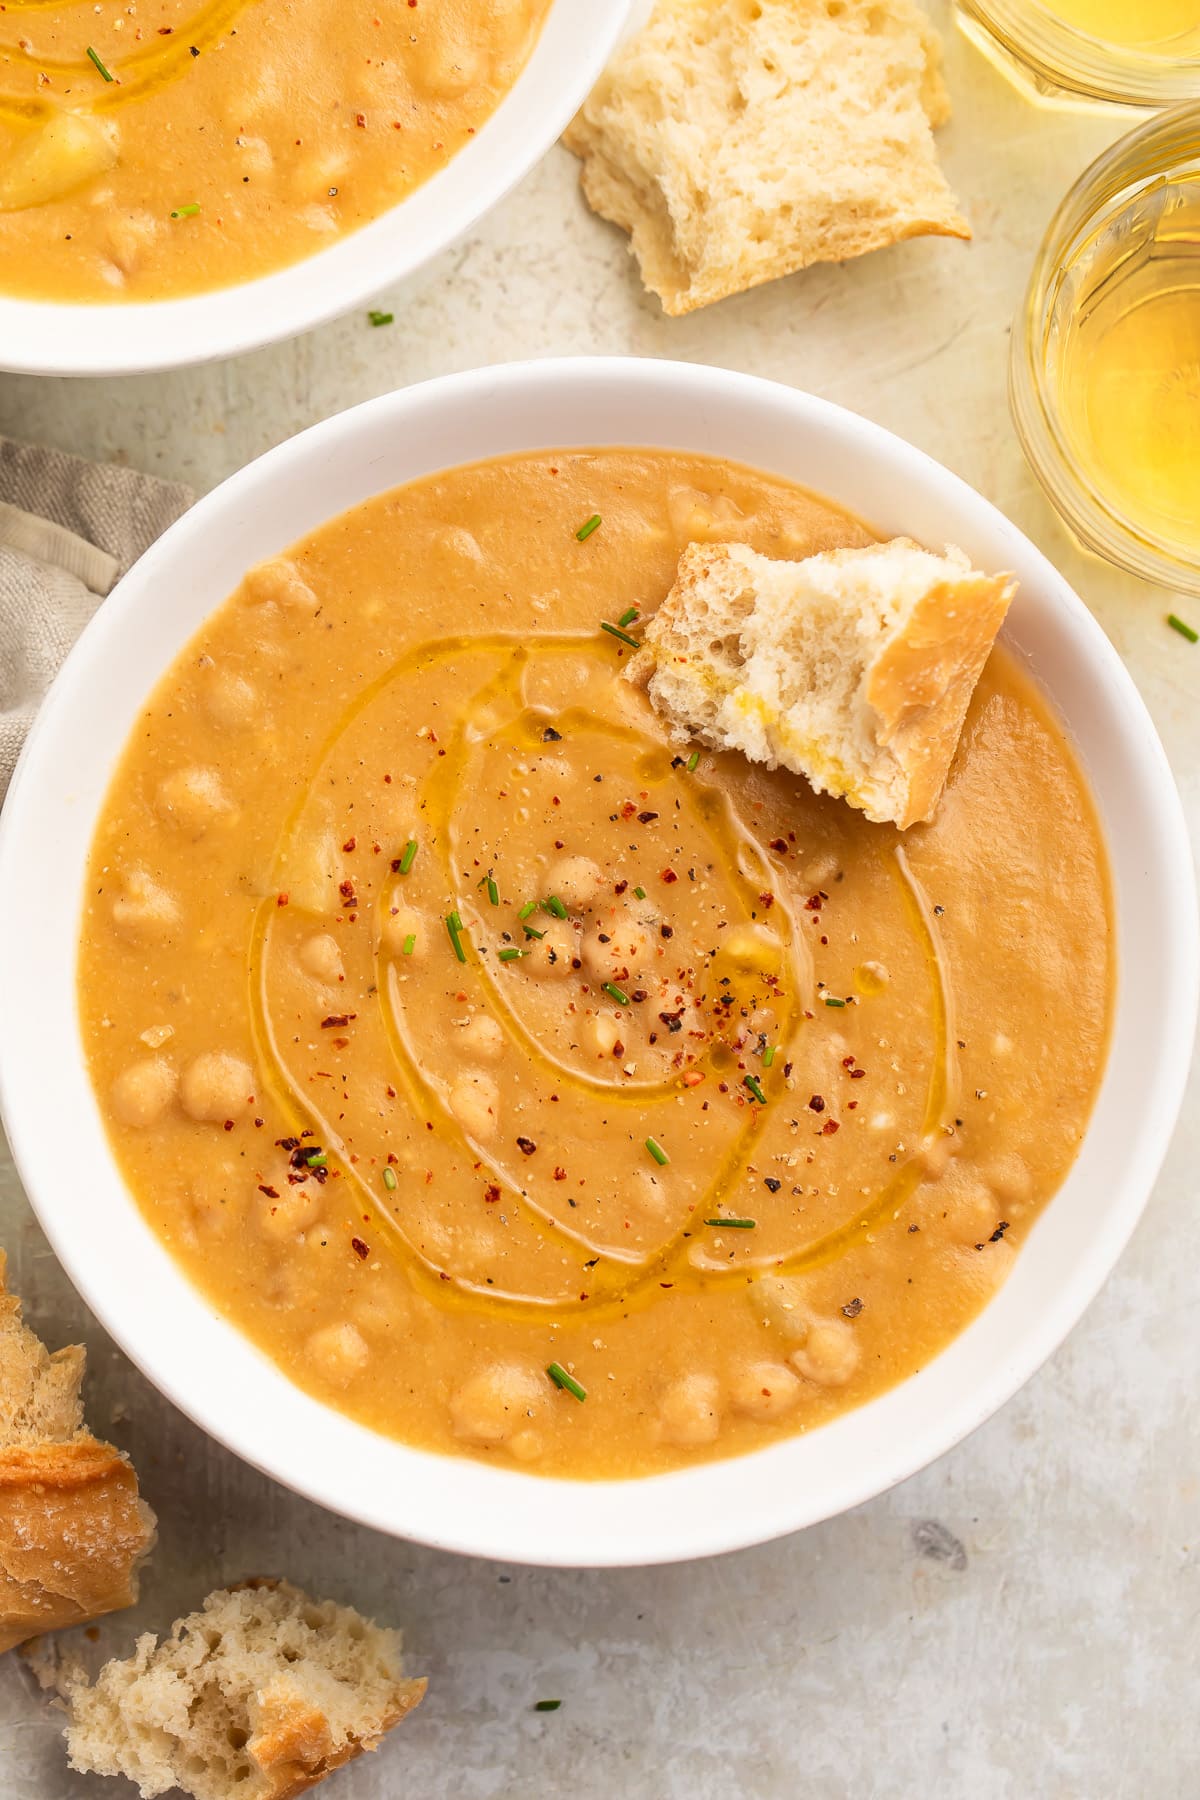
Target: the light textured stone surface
pixel 1020 1621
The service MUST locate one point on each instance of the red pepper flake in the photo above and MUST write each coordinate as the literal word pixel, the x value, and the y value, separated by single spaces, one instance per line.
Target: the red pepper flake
pixel 669 875
pixel 270 1192
pixel 491 1193
pixel 526 1146
pixel 346 890
pixel 337 1020
pixel 229 1124
pixel 359 1248
pixel 779 845
pixel 281 899
pixel 814 903
pixel 766 900
pixel 360 119
pixel 628 809
pixel 817 1104
pixel 619 888
pixel 349 844
pixel 857 1074
pixel 829 1127
pixel 560 1174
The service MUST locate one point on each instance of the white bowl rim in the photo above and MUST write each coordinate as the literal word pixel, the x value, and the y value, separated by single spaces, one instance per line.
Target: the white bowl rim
pixel 177 1338
pixel 48 337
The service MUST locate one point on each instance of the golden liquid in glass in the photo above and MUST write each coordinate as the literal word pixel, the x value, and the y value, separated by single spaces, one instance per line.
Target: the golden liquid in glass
pixel 1126 357
pixel 1169 27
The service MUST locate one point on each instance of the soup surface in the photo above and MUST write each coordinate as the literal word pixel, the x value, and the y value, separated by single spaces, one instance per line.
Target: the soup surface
pixel 151 148
pixel 451 1028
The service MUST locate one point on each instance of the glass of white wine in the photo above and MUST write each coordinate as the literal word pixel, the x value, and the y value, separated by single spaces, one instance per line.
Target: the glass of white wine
pixel 1105 369
pixel 1122 52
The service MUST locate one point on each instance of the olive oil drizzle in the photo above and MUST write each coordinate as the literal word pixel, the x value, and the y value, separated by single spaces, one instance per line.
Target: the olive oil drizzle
pixel 611 1284
pixel 163 60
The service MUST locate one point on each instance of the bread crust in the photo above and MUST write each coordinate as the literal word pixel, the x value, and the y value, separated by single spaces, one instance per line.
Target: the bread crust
pixel 72 1528
pixel 738 144
pixel 913 688
pixel 292 1746
pixel 72 1533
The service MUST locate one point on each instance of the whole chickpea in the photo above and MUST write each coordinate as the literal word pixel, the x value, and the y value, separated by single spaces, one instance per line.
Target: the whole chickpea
pixel 764 1390
pixel 496 1404
pixel 216 1087
pixel 142 1093
pixel 829 1354
pixel 690 1410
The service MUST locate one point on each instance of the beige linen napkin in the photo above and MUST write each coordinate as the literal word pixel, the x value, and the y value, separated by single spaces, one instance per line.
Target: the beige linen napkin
pixel 68 529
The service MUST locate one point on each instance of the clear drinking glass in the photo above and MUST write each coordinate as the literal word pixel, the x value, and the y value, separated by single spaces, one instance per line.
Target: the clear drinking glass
pixel 1117 52
pixel 1105 360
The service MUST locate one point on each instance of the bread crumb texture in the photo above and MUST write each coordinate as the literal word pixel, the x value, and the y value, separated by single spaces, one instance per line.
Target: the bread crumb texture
pixel 72 1528
pixel 259 1695
pixel 740 140
pixel 853 668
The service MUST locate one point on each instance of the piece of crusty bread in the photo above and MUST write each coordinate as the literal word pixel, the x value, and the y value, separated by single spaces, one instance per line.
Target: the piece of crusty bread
pixel 260 1694
pixel 741 140
pixel 853 668
pixel 72 1528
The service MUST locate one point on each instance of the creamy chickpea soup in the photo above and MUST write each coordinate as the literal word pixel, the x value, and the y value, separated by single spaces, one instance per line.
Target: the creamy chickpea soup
pixel 529 1089
pixel 151 148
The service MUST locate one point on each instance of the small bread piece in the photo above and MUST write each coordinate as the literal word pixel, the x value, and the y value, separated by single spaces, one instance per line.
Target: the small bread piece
pixel 853 668
pixel 262 1693
pixel 741 140
pixel 72 1528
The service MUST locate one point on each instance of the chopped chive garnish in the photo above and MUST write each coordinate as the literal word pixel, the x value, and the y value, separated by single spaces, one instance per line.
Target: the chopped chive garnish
pixel 657 1152
pixel 186 212
pixel 752 1082
pixel 533 932
pixel 530 906
pixel 512 953
pixel 454 926
pixel 692 760
pixel 639 893
pixel 832 1000
pixel 768 1056
pixel 410 851
pixel 1183 628
pixel 381 318
pixel 622 999
pixel 588 526
pixel 552 904
pixel 389 1180
pixel 560 1378
pixel 95 57
pixel 616 632
pixel 628 616
pixel 409 944
pixel 734 1224
pixel 317 1159
pixel 493 892
pixel 546 1705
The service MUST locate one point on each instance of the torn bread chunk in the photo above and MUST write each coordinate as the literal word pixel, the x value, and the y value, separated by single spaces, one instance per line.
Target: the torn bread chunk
pixel 741 140
pixel 262 1693
pixel 853 668
pixel 72 1527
